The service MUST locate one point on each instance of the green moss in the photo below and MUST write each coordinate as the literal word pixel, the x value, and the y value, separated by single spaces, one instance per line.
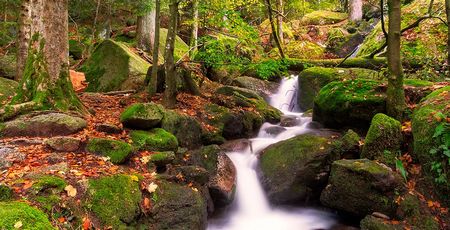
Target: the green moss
pixel 417 83
pixel 111 64
pixel 117 151
pixel 181 48
pixel 383 140
pixel 154 140
pixel 31 218
pixel 8 66
pixel 44 182
pixel 190 136
pixel 142 115
pixel 5 193
pixel 48 202
pixel 373 223
pixel 304 50
pixel 114 200
pixel 323 17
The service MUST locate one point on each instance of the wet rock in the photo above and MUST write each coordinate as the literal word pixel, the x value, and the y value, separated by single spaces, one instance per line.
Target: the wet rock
pixel 274 130
pixel 374 223
pixel 361 187
pixel 191 173
pixel 263 88
pixel 108 128
pixel 63 144
pixel 235 145
pixel 289 121
pixel 142 116
pixel 45 125
pixel 8 156
pixel 222 184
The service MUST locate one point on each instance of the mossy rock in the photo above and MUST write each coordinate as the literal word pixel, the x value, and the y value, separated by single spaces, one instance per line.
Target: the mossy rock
pixel 262 87
pixel 114 200
pixel 11 213
pixel 361 187
pixel 383 140
pixel 76 49
pixel 46 191
pixel 118 152
pixel 8 66
pixel 142 116
pixel 178 207
pixel 425 120
pixel 6 193
pixel 187 130
pixel 181 48
pixel 304 50
pixel 45 125
pixel 296 169
pixel 206 157
pixel 313 79
pixel 416 214
pixel 374 223
pixel 417 83
pixel 323 17
pixel 154 140
pixel 351 103
pixel 346 147
pixel 162 158
pixel 113 66
pixel 7 90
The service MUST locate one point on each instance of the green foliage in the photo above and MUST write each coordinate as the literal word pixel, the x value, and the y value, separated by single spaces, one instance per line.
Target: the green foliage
pixel 399 166
pixel 441 150
pixel 270 69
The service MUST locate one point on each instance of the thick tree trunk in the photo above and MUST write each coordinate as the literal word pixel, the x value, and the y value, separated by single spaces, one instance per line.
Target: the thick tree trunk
pixel 24 37
pixel 280 9
pixel 153 84
pixel 355 10
pixel 146 30
pixel 45 82
pixel 194 30
pixel 170 93
pixel 274 29
pixel 447 10
pixel 395 93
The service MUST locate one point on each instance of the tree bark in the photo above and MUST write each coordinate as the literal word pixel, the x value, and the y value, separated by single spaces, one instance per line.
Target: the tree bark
pixel 274 29
pixel 170 93
pixel 24 37
pixel 45 82
pixel 395 104
pixel 280 8
pixel 447 11
pixel 145 32
pixel 153 84
pixel 194 30
pixel 355 11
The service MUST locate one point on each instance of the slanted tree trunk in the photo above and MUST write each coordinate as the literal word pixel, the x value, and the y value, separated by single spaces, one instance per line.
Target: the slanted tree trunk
pixel 395 104
pixel 194 30
pixel 447 11
pixel 280 9
pixel 170 93
pixel 153 84
pixel 45 83
pixel 146 30
pixel 355 10
pixel 274 29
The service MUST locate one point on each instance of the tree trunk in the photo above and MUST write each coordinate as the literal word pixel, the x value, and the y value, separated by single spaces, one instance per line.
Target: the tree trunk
pixel 153 84
pixel 145 32
pixel 395 104
pixel 355 11
pixel 447 11
pixel 24 37
pixel 280 9
pixel 45 83
pixel 194 31
pixel 170 93
pixel 274 29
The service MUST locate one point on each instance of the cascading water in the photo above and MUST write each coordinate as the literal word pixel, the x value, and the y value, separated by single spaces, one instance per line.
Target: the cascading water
pixel 251 209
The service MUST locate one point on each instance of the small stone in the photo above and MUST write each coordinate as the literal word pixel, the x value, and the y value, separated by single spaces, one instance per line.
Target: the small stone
pixel 64 144
pixel 274 130
pixel 8 156
pixel 108 128
pixel 380 215
pixel 289 121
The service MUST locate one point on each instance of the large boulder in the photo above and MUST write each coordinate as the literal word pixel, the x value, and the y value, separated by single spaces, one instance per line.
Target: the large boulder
pixel 323 17
pixel 154 140
pixel 304 50
pixel 8 66
pixel 7 90
pixel 262 87
pixel 430 134
pixel 114 200
pixel 45 125
pixel 117 151
pixel 383 140
pixel 178 207
pixel 113 66
pixel 296 169
pixel 351 103
pixel 142 116
pixel 313 79
pixel 361 187
pixel 13 214
pixel 187 130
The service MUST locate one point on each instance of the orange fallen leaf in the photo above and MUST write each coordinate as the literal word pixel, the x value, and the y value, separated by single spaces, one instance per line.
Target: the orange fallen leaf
pixel 147 204
pixel 86 223
pixel 62 219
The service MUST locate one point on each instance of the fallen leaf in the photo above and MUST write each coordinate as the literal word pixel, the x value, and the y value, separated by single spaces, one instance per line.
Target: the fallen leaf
pixel 147 204
pixel 134 178
pixel 86 223
pixel 151 188
pixel 18 224
pixel 71 191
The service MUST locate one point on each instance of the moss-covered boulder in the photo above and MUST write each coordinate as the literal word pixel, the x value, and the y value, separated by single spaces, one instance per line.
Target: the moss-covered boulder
pixel 346 147
pixel 296 169
pixel 113 66
pixel 351 103
pixel 142 116
pixel 46 191
pixel 187 130
pixel 323 17
pixel 21 214
pixel 154 140
pixel 45 125
pixel 8 66
pixel 383 140
pixel 304 50
pixel 178 207
pixel 313 79
pixel 375 223
pixel 7 90
pixel 416 214
pixel 262 87
pixel 114 200
pixel 361 187
pixel 117 151
pixel 76 49
pixel 431 113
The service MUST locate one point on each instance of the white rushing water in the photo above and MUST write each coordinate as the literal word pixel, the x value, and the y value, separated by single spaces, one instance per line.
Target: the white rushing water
pixel 251 209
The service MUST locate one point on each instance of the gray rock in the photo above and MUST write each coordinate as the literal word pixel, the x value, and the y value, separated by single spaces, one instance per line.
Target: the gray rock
pixel 289 121
pixel 8 156
pixel 64 144
pixel 108 128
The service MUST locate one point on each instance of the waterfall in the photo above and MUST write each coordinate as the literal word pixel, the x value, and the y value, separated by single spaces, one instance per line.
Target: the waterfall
pixel 251 209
